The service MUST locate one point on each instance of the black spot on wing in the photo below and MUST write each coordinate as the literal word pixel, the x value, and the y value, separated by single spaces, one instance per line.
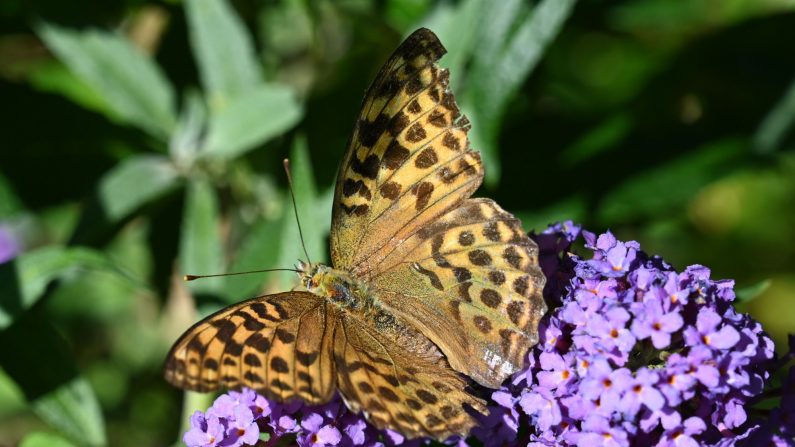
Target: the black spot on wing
pixel 367 168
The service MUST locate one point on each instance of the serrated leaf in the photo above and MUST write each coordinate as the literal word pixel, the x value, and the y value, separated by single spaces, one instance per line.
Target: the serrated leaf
pixel 314 226
pixel 200 249
pixel 223 49
pixel 130 84
pixel 135 182
pixel 251 120
pixel 46 375
pixel 24 279
pixel 43 439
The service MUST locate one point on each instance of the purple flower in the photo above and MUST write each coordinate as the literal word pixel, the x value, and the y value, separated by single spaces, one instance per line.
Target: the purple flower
pixel 543 406
pixel 613 258
pixel 642 391
pixel 597 431
pixel 558 371
pixel 610 328
pixel 242 429
pixel 9 245
pixel 637 353
pixel 682 436
pixel 316 433
pixel 204 432
pixel 653 322
pixel 226 404
pixel 706 331
pixel 604 383
pixel 356 431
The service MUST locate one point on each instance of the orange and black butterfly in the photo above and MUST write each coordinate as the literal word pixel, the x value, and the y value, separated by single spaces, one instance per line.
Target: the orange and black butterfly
pixel 426 284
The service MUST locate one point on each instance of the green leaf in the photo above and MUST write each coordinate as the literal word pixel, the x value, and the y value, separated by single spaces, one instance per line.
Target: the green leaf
pixel 224 51
pixel 601 138
pixel 502 62
pixel 74 409
pixel 24 279
pixel 44 371
pixel 458 28
pixel 313 225
pixel 259 250
pixel 652 192
pixel 135 182
pixel 252 120
pixel 42 439
pixel 9 201
pixel 53 76
pixel 777 123
pixel 130 84
pixel 188 137
pixel 200 249
pixel 748 294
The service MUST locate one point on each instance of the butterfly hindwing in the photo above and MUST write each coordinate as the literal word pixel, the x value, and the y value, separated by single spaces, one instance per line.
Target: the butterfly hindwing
pixel 470 281
pixel 278 344
pixel 401 381
pixel 408 159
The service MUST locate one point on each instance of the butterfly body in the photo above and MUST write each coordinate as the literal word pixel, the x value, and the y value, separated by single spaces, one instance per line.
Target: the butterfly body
pixel 426 285
pixel 337 286
pixel 356 304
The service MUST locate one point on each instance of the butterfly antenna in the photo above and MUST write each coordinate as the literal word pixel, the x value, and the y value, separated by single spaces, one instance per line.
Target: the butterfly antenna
pixel 192 277
pixel 295 207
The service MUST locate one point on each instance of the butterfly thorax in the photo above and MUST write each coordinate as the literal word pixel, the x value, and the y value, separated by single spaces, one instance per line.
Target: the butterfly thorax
pixel 337 286
pixel 353 298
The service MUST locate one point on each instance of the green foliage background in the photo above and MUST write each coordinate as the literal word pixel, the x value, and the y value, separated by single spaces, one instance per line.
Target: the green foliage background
pixel 142 140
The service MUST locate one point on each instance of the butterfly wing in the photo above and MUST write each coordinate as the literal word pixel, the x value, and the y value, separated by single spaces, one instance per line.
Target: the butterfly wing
pixel 408 160
pixel 401 381
pixel 279 345
pixel 401 206
pixel 470 281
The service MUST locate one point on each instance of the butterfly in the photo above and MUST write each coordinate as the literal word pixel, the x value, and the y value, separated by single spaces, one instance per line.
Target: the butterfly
pixel 426 284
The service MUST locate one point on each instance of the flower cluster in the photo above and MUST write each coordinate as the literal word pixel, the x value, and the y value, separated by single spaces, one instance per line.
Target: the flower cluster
pixel 636 353
pixel 632 353
pixel 247 418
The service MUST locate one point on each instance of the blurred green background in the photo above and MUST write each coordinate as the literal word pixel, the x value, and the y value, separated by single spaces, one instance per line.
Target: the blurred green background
pixel 143 140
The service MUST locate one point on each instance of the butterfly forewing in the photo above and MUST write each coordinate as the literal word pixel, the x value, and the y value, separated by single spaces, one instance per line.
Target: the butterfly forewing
pixel 408 159
pixel 279 345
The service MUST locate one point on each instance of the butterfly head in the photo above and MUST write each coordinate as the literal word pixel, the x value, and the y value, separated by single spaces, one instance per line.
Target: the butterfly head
pixel 313 276
pixel 336 285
